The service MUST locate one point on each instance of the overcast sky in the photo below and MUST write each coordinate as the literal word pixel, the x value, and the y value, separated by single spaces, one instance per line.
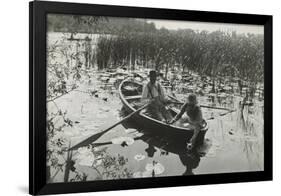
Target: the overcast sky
pixel 239 28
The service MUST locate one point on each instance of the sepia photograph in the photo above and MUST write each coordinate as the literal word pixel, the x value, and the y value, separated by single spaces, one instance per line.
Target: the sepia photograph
pixel 149 98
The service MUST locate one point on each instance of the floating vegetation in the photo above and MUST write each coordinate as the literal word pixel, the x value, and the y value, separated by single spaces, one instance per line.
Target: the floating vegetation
pixel 121 140
pixel 130 130
pixel 85 157
pixel 139 157
pixel 88 157
pixel 157 167
pixel 84 150
pixel 138 134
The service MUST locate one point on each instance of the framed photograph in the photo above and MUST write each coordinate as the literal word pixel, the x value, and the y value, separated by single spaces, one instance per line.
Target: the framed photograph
pixel 131 97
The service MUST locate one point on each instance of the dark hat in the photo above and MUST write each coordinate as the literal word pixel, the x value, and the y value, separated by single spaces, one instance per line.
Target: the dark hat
pixel 192 99
pixel 152 72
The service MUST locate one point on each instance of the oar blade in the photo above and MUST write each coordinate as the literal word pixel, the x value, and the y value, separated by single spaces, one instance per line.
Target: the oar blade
pixel 93 138
pixel 87 141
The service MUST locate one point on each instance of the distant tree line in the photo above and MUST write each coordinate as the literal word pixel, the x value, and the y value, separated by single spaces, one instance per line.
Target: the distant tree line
pixel 96 24
pixel 129 42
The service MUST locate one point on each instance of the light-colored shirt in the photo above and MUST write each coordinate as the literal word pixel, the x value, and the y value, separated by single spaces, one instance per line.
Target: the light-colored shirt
pixel 153 90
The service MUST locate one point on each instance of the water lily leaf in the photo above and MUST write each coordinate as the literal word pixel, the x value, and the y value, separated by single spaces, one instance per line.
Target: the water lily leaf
pixel 84 150
pixel 139 157
pixel 130 130
pixel 138 134
pixel 120 140
pixel 158 168
pixel 86 162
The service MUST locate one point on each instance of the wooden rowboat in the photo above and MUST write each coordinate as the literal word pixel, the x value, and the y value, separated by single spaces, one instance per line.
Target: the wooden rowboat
pixel 130 95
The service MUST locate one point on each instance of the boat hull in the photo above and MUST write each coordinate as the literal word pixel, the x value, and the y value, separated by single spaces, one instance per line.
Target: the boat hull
pixel 153 126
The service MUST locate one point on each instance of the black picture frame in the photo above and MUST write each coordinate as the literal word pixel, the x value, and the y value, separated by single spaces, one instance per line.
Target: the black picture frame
pixel 37 99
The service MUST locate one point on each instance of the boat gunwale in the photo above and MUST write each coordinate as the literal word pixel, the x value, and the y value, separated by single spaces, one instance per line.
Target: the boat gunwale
pixel 122 97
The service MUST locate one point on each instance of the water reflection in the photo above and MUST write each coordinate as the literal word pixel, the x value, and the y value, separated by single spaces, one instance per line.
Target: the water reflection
pixel 189 159
pixel 178 146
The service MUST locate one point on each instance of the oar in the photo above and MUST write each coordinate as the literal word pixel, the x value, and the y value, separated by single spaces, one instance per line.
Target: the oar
pixel 230 111
pixel 223 114
pixel 212 107
pixel 203 106
pixel 93 138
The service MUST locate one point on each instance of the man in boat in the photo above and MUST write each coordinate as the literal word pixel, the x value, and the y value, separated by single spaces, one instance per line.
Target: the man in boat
pixel 154 92
pixel 193 116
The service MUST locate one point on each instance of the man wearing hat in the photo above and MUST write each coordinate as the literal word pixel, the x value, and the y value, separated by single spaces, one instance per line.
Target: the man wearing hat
pixel 154 92
pixel 193 117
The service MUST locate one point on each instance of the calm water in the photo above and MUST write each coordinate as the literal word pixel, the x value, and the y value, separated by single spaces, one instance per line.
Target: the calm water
pixel 232 144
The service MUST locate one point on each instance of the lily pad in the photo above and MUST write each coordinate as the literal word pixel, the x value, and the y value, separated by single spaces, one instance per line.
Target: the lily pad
pixel 130 130
pixel 139 157
pixel 138 134
pixel 87 161
pixel 84 150
pixel 120 140
pixel 157 167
